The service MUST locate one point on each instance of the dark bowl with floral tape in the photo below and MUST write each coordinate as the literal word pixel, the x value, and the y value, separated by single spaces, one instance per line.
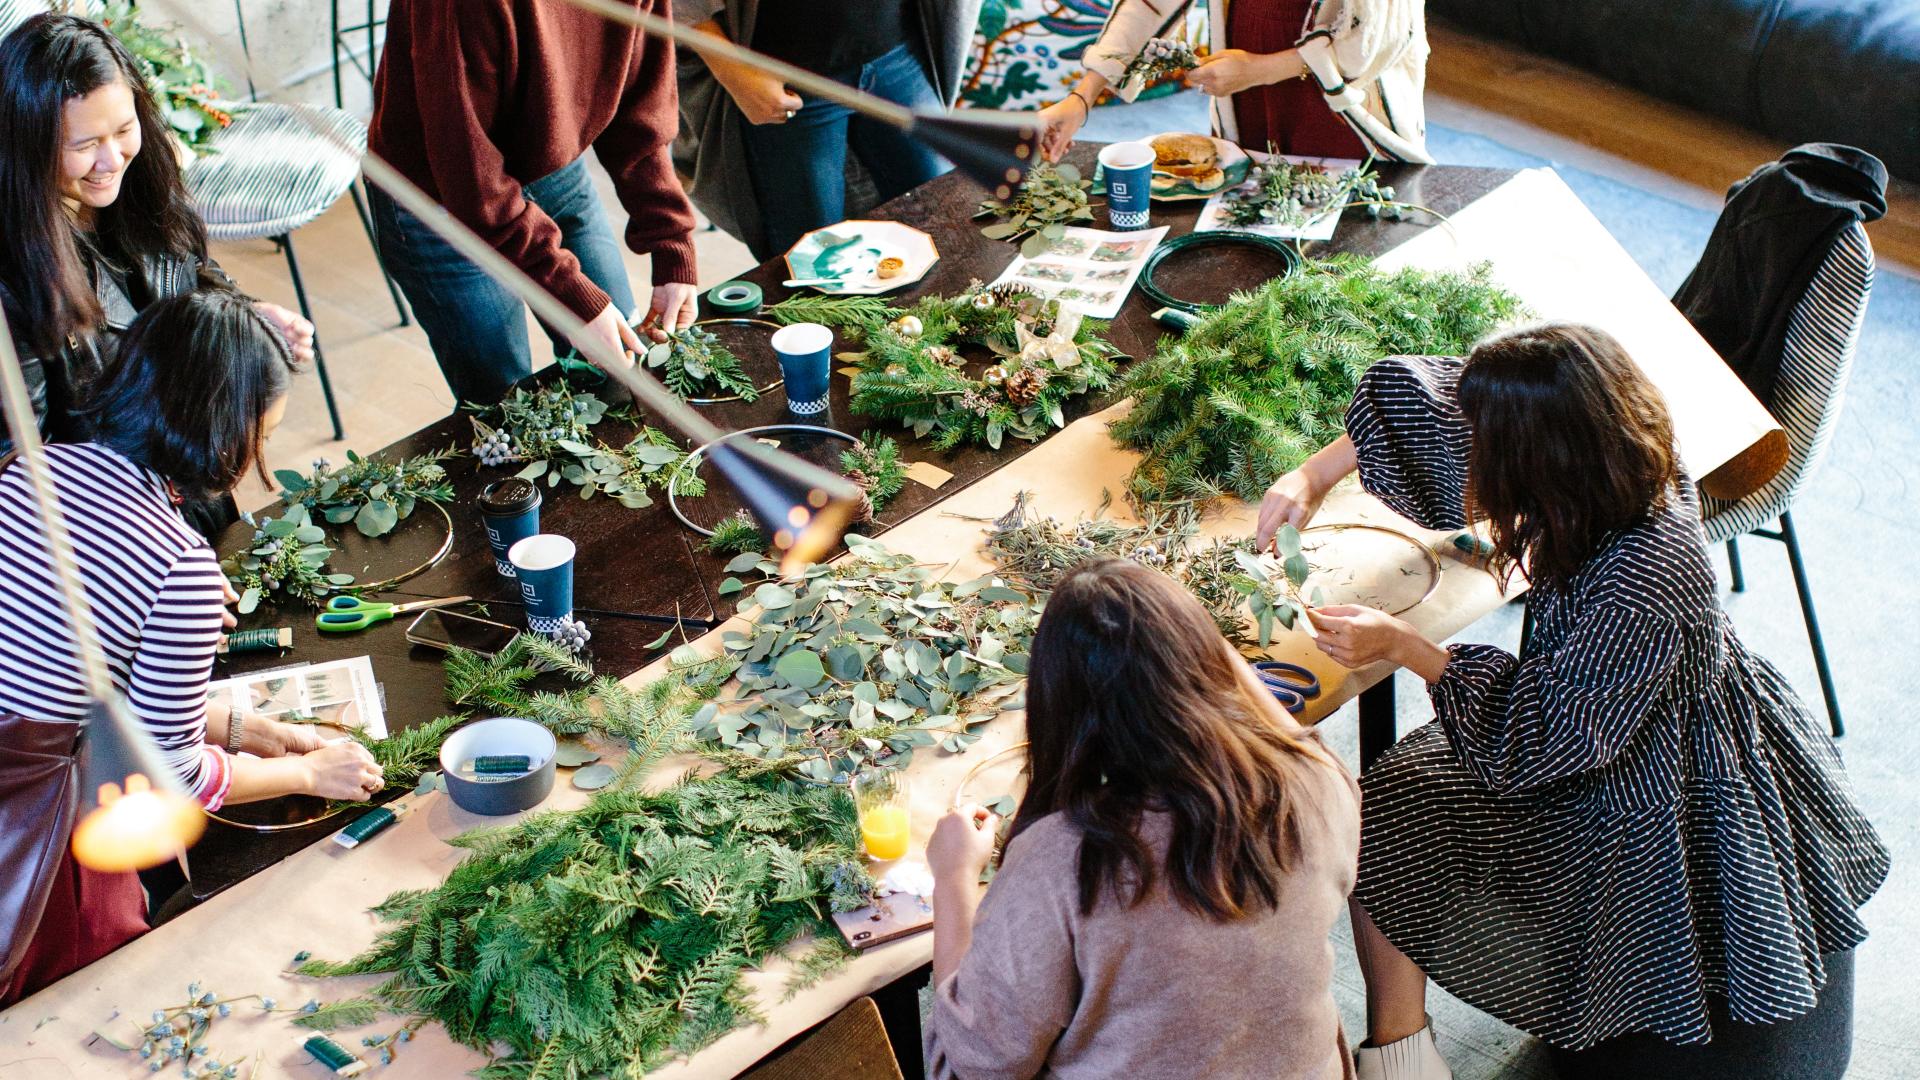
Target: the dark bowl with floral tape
pixel 499 737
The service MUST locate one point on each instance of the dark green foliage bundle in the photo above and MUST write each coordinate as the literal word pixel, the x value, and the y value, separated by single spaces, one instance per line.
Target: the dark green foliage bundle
pixel 610 940
pixel 1255 388
pixel 911 370
pixel 404 755
pixel 736 535
pixel 696 365
pixel 875 465
pixel 375 495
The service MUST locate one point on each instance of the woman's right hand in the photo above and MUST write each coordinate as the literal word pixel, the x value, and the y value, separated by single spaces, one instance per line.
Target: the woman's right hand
pixel 1058 124
pixel 763 98
pixel 343 770
pixel 1292 500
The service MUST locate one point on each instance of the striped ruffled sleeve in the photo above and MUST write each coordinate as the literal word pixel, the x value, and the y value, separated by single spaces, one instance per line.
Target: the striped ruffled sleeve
pixel 167 685
pixel 1518 724
pixel 1410 439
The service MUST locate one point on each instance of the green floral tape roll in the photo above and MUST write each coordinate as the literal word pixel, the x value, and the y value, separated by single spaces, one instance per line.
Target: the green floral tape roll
pixel 734 297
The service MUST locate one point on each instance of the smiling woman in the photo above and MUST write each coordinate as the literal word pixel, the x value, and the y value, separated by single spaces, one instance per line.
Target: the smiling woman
pixel 96 230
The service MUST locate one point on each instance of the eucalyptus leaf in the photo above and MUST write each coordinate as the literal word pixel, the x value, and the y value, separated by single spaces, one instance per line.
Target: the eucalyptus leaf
pixel 593 777
pixel 802 669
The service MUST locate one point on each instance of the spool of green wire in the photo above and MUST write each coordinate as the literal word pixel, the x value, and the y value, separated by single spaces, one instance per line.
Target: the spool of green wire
pixel 265 639
pixel 1149 287
pixel 734 297
pixel 342 1061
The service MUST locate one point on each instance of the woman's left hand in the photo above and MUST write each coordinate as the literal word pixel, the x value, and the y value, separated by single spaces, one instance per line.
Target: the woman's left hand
pixel 1230 71
pixel 674 306
pixel 1357 636
pixel 962 843
pixel 228 598
pixel 293 738
pixel 297 331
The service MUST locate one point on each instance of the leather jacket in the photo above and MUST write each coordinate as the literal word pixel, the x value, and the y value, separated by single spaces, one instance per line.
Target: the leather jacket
pixel 57 384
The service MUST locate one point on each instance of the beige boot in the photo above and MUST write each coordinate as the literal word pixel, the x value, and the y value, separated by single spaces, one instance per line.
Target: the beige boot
pixel 1412 1058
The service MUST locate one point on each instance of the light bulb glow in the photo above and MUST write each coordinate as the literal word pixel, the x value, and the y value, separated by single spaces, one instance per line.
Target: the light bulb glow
pixel 132 831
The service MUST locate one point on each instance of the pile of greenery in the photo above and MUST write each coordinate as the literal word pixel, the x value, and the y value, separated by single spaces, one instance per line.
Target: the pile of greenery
pixel 375 495
pixel 286 559
pixel 912 372
pixel 874 466
pixel 694 364
pixel 1253 389
pixel 550 429
pixel 1049 199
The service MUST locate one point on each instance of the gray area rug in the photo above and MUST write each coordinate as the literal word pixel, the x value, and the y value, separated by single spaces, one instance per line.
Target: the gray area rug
pixel 1858 524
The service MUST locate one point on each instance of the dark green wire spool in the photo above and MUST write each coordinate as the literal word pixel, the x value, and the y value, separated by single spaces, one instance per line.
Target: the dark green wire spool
pixel 1150 288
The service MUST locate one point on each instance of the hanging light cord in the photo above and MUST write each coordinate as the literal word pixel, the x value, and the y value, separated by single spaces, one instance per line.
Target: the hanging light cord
pixel 66 572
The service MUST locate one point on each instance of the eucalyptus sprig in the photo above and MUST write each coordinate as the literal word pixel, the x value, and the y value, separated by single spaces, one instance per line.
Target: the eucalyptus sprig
pixel 375 495
pixel 858 663
pixel 549 429
pixel 286 559
pixel 1049 199
pixel 694 364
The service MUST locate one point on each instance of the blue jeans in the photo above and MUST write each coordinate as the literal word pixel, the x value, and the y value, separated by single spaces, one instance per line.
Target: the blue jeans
pixel 477 328
pixel 799 167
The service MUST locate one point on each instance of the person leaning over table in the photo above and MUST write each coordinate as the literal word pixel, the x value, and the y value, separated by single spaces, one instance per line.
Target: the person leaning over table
pixel 181 411
pixel 1635 826
pixel 96 229
pixel 1177 864
pixel 768 166
pixel 1263 94
pixel 490 106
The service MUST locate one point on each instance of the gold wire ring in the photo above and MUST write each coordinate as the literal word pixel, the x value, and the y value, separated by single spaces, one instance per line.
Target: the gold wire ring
pixel 1426 550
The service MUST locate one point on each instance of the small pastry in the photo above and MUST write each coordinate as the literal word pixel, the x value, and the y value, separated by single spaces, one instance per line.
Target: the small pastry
pixel 890 267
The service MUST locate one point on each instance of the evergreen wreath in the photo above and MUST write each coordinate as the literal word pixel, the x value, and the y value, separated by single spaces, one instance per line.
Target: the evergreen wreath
pixel 375 495
pixel 549 428
pixel 911 371
pixel 1256 387
pixel 696 365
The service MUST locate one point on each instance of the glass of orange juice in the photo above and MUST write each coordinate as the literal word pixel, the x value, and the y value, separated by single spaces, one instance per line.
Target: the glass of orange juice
pixel 886 824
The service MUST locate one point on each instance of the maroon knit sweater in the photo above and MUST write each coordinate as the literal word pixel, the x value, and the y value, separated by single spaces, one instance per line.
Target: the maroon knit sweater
pixel 475 98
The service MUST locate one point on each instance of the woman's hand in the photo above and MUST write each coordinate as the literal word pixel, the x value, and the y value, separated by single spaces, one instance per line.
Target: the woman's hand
pixel 228 598
pixel 761 97
pixel 962 843
pixel 1292 500
pixel 1230 71
pixel 1357 636
pixel 297 330
pixel 1058 124
pixel 611 328
pixel 288 739
pixel 342 770
pixel 673 306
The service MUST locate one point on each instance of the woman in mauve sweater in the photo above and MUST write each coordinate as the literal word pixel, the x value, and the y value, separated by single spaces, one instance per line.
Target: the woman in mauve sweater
pixel 1179 859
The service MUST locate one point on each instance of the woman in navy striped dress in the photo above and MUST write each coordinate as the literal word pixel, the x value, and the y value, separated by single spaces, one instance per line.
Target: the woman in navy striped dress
pixel 1636 824
pixel 181 412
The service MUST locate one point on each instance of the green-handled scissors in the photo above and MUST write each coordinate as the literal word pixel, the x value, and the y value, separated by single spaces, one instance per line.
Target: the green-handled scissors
pixel 346 613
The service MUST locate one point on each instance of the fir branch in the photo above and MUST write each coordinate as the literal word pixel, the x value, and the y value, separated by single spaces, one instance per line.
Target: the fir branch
pixel 353 1012
pixel 876 466
pixel 839 312
pixel 736 535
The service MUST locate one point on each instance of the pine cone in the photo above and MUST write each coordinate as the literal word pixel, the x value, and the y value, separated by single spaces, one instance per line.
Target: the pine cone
pixel 1023 386
pixel 864 512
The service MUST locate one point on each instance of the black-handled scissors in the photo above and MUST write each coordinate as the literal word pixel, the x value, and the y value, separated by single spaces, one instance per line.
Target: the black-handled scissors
pixel 1291 685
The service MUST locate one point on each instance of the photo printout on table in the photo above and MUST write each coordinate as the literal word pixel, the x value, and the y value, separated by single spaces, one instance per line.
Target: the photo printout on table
pixel 1213 216
pixel 1089 270
pixel 340 693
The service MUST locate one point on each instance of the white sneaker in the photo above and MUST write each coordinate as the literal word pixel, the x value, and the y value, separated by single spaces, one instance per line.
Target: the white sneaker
pixel 1412 1058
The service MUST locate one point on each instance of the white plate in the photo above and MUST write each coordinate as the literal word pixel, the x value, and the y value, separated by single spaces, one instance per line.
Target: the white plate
pixel 850 253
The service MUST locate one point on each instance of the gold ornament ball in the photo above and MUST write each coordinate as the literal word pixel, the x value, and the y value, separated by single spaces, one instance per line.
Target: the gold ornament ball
pixel 907 326
pixel 983 301
pixel 994 375
pixel 896 370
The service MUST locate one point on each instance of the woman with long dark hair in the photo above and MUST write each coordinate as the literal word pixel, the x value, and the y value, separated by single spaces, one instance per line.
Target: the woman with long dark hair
pixel 1180 856
pixel 181 412
pixel 1632 840
pixel 98 221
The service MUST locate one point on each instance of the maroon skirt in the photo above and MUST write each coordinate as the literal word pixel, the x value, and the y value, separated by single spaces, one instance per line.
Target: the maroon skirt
pixel 1291 116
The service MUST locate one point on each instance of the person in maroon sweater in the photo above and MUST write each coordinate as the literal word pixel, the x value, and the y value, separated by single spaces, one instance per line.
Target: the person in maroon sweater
pixel 489 106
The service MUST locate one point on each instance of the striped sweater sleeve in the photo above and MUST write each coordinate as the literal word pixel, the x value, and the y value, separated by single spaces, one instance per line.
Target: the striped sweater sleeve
pixel 167 684
pixel 1411 440
pixel 1520 724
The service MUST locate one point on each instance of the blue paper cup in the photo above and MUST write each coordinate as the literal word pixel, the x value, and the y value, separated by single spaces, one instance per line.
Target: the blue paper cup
pixel 805 350
pixel 544 565
pixel 510 512
pixel 1128 170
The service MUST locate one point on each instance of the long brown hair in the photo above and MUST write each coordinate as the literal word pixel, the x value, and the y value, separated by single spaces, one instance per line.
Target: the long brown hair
pixel 1570 442
pixel 1135 702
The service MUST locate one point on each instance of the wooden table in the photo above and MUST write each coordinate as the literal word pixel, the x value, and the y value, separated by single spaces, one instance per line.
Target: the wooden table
pixel 1542 244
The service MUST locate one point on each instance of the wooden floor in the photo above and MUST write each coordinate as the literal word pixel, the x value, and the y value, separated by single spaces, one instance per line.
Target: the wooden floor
pixel 388 385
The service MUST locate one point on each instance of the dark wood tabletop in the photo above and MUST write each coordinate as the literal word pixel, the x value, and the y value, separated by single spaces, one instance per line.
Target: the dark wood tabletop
pixel 644 562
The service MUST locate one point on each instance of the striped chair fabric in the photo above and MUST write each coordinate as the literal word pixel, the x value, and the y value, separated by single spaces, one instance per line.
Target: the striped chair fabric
pixel 1814 365
pixel 271 172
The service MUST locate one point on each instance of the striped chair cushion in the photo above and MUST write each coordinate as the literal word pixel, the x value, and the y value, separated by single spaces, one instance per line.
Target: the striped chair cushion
pixel 1814 365
pixel 271 172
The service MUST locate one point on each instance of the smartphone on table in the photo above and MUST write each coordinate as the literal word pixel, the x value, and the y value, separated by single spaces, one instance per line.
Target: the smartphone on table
pixel 438 628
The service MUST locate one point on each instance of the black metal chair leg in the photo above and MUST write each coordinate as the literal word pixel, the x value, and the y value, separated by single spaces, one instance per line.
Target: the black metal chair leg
pixel 1733 564
pixel 319 358
pixel 366 224
pixel 1813 623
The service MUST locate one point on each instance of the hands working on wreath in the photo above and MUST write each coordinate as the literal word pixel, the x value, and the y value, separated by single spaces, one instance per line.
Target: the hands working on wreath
pixel 1354 636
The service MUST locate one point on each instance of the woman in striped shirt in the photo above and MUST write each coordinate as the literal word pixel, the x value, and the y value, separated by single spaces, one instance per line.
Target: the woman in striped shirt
pixel 1635 828
pixel 181 412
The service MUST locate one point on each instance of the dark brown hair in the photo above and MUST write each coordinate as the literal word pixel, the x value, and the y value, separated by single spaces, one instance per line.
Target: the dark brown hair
pixel 1570 442
pixel 45 62
pixel 187 389
pixel 1135 702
